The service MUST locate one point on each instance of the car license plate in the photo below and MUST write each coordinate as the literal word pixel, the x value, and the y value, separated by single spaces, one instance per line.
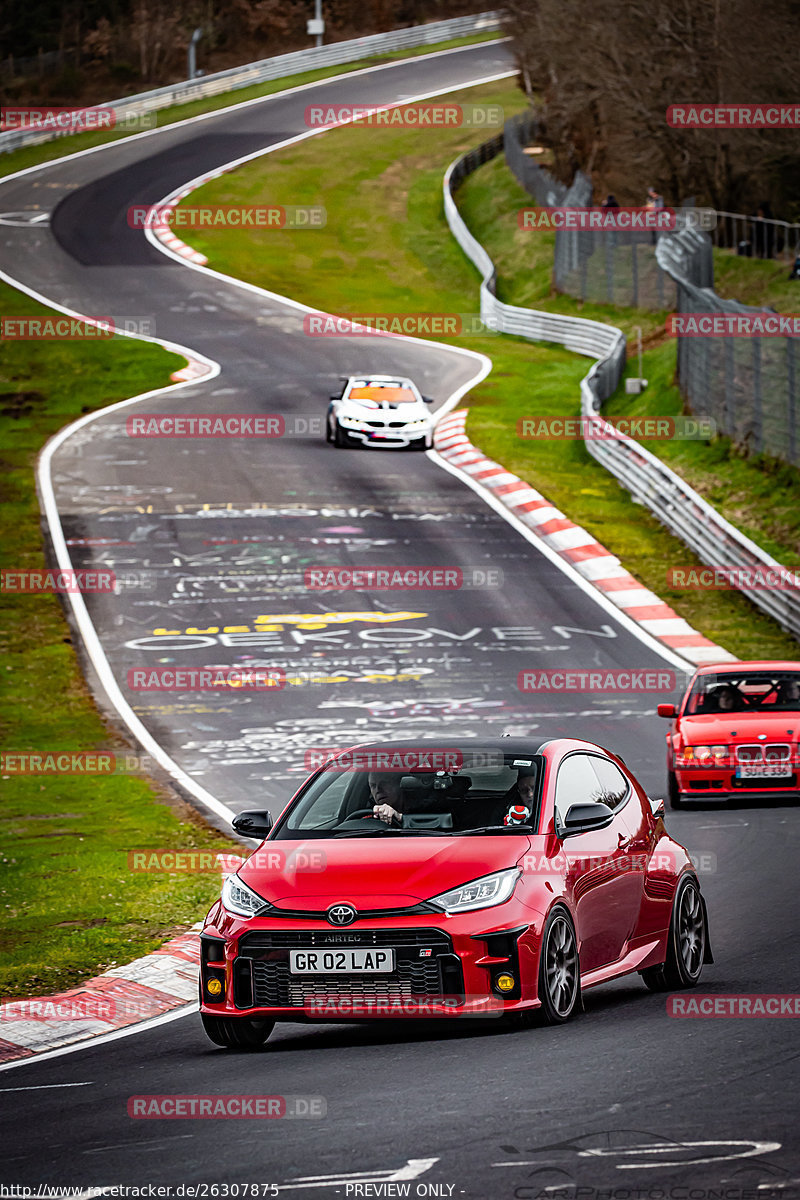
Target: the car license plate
pixel 764 771
pixel 341 961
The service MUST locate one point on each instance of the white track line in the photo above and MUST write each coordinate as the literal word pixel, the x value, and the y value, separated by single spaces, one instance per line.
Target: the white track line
pixel 81 614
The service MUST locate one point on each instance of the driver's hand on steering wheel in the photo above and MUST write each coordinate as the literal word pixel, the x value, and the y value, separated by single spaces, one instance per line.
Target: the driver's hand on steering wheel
pixel 386 813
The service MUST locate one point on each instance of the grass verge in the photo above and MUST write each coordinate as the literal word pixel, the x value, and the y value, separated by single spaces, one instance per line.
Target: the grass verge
pixel 756 281
pixel 387 249
pixel 69 906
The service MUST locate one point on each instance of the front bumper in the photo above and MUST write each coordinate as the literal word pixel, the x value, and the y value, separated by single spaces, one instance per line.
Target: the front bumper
pixel 720 783
pixel 387 438
pixel 443 967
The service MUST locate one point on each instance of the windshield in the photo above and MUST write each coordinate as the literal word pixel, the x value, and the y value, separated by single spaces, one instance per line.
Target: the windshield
pixel 741 692
pixel 346 802
pixel 393 392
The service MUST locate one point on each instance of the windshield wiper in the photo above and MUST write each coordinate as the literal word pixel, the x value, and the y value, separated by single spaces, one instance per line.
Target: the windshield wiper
pixel 496 829
pixel 394 829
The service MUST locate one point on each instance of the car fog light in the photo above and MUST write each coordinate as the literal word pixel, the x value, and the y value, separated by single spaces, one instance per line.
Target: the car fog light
pixel 214 987
pixel 505 983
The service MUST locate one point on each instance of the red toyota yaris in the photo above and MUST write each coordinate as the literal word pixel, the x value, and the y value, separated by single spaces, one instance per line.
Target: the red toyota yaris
pixel 465 880
pixel 736 733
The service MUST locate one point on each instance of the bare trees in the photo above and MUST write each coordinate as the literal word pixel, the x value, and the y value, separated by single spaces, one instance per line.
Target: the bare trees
pixel 604 77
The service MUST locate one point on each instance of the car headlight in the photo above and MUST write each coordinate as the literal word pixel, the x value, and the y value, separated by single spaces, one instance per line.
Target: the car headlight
pixel 238 898
pixel 481 893
pixel 704 756
pixel 417 424
pixel 350 422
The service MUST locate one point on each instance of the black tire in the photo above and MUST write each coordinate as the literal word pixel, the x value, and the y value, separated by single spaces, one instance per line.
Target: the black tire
pixel 419 444
pixel 673 795
pixel 687 942
pixel 237 1033
pixel 340 439
pixel 559 969
pixel 328 434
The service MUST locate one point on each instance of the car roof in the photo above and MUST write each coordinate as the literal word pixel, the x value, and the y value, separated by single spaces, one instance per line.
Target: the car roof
pixel 750 665
pixel 510 745
pixel 403 380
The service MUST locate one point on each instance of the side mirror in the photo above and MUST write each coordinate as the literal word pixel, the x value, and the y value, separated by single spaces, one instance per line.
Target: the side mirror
pixel 428 400
pixel 253 824
pixel 667 710
pixel 657 808
pixel 581 818
pixel 338 396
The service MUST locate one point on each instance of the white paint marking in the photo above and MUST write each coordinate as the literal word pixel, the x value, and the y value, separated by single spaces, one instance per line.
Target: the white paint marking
pixel 411 1170
pixel 41 1087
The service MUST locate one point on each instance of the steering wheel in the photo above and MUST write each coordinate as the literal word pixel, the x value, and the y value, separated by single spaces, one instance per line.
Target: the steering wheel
pixel 363 813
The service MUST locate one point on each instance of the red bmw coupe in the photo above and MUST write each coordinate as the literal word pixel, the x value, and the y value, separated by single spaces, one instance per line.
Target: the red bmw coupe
pixel 736 733
pixel 496 878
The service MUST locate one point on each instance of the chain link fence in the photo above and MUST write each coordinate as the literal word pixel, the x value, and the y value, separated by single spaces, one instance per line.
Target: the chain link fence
pixel 617 267
pixel 747 384
pixel 757 237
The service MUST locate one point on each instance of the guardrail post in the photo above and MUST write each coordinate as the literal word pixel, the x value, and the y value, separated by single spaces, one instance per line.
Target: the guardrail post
pixel 758 410
pixel 791 400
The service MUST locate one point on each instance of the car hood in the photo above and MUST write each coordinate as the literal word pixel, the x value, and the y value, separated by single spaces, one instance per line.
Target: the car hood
pixel 707 728
pixel 382 871
pixel 366 408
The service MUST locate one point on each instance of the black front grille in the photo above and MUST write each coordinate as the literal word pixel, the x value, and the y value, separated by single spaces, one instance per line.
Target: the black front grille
pixel 273 985
pixel 266 982
pixel 299 939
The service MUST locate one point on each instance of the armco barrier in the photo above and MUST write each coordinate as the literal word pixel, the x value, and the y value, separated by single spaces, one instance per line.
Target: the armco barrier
pixel 275 68
pixel 685 513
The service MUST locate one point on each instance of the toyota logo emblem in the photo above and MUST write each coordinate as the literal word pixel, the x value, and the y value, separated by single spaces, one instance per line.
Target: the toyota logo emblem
pixel 342 914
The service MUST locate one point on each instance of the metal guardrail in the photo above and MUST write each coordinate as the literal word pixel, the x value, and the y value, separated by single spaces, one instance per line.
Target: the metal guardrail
pixel 272 68
pixel 684 512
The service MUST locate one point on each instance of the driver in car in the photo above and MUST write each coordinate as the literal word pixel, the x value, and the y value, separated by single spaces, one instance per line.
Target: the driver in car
pixel 788 694
pixel 389 800
pixel 386 793
pixel 519 800
pixel 725 698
